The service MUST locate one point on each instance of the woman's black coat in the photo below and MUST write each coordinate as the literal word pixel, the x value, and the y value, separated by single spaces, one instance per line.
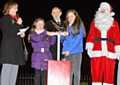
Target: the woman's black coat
pixel 11 48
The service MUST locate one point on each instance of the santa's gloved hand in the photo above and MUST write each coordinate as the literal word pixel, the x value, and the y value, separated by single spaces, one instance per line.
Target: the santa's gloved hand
pixel 118 55
pixel 89 52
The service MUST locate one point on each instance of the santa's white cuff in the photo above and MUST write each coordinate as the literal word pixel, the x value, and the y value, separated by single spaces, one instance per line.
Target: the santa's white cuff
pixel 117 48
pixel 117 51
pixel 89 45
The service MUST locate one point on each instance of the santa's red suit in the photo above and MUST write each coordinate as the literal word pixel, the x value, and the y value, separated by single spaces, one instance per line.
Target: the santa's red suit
pixel 103 47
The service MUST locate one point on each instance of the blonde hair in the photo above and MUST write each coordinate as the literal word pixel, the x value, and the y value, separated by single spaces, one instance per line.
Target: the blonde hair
pixel 8 5
pixel 34 26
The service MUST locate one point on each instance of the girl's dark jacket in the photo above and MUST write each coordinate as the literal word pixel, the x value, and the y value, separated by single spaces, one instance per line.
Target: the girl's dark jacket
pixel 11 48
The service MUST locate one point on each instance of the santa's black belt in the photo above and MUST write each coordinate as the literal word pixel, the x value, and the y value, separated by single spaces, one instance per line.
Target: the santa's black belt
pixel 96 39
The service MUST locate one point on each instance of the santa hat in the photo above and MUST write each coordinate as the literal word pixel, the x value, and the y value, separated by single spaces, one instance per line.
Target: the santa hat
pixel 107 7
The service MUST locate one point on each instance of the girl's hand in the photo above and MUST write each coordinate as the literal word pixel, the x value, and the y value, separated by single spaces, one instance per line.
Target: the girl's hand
pixel 59 33
pixel 22 35
pixel 65 33
pixel 62 33
pixel 51 33
pixel 63 53
pixel 67 53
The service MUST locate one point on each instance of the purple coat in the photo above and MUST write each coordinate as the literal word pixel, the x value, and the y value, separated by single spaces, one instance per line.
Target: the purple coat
pixel 41 50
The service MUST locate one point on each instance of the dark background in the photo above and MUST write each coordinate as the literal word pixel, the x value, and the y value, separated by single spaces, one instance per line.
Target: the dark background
pixel 29 10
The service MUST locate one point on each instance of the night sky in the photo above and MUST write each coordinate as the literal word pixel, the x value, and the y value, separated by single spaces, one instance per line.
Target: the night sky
pixel 29 10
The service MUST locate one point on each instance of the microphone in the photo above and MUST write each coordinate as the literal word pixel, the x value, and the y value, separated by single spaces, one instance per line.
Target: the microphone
pixel 19 17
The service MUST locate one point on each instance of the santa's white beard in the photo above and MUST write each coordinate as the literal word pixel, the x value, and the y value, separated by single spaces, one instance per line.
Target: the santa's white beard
pixel 103 21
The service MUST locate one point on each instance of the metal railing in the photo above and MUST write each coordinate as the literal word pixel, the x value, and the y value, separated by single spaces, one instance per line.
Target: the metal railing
pixel 86 80
pixel 25 79
pixel 28 79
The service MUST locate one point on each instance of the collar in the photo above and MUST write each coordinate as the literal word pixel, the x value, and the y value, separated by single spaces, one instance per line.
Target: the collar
pixel 14 17
pixel 58 20
pixel 70 25
pixel 39 31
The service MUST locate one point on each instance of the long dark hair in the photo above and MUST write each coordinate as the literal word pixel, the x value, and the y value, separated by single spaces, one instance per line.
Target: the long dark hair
pixel 78 21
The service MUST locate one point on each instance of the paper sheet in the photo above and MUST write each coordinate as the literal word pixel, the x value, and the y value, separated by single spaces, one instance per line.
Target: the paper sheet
pixel 23 30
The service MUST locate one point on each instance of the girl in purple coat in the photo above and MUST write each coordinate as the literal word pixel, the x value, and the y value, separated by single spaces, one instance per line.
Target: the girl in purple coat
pixel 40 40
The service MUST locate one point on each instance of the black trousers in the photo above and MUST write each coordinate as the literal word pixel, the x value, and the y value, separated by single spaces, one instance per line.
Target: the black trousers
pixel 40 77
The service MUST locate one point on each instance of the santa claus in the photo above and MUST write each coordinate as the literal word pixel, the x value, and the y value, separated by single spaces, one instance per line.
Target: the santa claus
pixel 103 45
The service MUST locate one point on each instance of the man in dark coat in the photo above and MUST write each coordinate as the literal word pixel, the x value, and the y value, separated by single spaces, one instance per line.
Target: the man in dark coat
pixel 55 25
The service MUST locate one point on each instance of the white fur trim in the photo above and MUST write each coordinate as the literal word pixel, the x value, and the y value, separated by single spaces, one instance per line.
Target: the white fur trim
pixel 104 4
pixel 93 54
pixel 104 44
pixel 89 45
pixel 112 13
pixel 117 48
pixel 96 83
pixel 107 84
